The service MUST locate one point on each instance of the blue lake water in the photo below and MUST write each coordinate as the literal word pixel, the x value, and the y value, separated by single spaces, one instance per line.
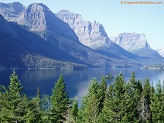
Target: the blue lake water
pixel 77 81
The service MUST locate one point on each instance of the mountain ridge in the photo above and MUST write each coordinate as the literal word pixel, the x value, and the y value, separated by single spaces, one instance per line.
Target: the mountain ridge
pixel 38 31
pixel 93 35
pixel 137 44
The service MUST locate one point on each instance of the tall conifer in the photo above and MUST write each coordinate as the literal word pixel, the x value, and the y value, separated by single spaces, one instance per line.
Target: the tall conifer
pixel 59 102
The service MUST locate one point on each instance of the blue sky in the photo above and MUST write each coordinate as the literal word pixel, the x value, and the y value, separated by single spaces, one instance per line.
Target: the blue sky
pixel 115 17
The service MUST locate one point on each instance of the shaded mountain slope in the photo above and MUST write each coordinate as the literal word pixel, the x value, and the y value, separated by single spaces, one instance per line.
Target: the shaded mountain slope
pixel 20 48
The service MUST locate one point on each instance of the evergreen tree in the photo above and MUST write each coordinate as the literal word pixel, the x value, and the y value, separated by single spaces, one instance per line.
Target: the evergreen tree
pixel 103 88
pixel 144 103
pixel 157 105
pixel 114 106
pixel 35 111
pixel 59 102
pixel 139 86
pixel 12 100
pixel 46 108
pixel 37 100
pixel 89 111
pixel 132 96
pixel 74 111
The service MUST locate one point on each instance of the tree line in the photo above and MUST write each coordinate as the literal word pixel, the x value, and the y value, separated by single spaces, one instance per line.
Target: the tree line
pixel 122 101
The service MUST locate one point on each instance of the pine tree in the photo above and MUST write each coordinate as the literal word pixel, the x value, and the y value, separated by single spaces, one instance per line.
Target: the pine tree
pixel 89 111
pixel 12 100
pixel 37 100
pixel 103 88
pixel 74 111
pixel 144 103
pixel 114 106
pixel 59 102
pixel 46 108
pixel 34 113
pixel 157 105
pixel 132 96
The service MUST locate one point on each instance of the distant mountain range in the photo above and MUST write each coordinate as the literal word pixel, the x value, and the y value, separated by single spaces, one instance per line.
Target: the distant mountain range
pixel 35 37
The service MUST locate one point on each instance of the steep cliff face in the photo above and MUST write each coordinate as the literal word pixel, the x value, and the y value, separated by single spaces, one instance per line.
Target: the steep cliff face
pixel 131 41
pixel 93 35
pixel 137 44
pixel 38 17
pixel 90 34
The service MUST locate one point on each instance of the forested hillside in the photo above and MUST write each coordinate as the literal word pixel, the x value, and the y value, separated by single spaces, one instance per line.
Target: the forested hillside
pixel 120 102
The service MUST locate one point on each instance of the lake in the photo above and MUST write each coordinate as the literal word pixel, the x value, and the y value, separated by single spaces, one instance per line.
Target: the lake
pixel 77 81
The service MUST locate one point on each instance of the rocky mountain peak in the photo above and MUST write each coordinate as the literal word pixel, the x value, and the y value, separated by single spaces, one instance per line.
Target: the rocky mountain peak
pixel 10 11
pixel 37 17
pixel 67 15
pixel 131 41
pixel 34 17
pixel 90 34
pixel 37 7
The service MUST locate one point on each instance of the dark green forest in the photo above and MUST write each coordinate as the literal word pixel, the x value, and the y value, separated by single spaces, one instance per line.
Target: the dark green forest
pixel 131 101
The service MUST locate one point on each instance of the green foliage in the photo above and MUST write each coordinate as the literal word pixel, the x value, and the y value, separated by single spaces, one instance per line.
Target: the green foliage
pixel 89 111
pixel 157 104
pixel 12 101
pixel 114 106
pixel 121 102
pixel 132 96
pixel 103 88
pixel 145 101
pixel 59 102
pixel 74 111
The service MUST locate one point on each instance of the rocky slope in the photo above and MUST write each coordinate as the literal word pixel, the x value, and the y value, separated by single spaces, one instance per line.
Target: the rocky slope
pixel 58 41
pixel 39 38
pixel 93 35
pixel 22 49
pixel 137 44
pixel 131 41
pixel 90 34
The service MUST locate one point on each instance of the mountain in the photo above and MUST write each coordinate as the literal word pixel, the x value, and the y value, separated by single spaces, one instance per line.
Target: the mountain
pixel 131 42
pixel 90 34
pixel 37 31
pixel 11 11
pixel 22 49
pixel 161 52
pixel 93 35
pixel 137 44
pixel 35 37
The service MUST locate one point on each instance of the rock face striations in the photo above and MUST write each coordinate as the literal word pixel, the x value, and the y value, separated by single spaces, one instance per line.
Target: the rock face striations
pixel 93 35
pixel 90 34
pixel 131 41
